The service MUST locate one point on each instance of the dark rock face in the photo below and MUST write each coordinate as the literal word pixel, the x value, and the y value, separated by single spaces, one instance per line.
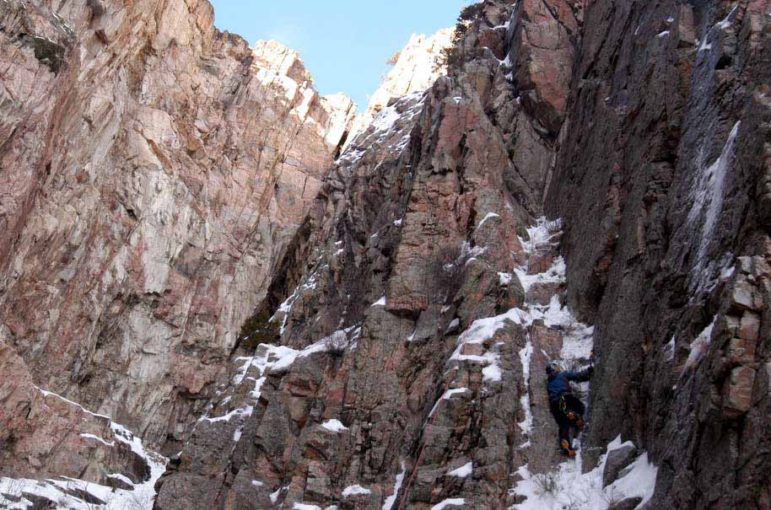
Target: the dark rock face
pixel 626 504
pixel 617 460
pixel 663 163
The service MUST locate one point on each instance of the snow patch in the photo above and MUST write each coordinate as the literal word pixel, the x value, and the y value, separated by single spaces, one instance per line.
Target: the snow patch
pixel 390 500
pixel 447 395
pixel 489 216
pixel 492 372
pixel 448 503
pixel 334 426
pixel 355 490
pixel 462 472
pixel 305 506
pixel 568 487
pixel 555 274
pixel 525 356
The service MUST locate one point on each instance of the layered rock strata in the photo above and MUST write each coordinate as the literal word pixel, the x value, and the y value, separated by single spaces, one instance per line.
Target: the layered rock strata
pixel 153 171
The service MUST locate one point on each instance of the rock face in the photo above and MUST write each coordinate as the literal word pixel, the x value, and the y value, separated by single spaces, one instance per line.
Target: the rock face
pixel 415 68
pixel 153 171
pixel 403 301
pixel 671 188
pixel 377 396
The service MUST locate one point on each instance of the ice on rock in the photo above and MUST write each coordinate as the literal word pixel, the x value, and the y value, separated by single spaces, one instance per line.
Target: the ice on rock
pixel 707 196
pixel 700 346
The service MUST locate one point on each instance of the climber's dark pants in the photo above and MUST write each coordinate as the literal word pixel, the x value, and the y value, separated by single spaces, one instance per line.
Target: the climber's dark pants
pixel 560 409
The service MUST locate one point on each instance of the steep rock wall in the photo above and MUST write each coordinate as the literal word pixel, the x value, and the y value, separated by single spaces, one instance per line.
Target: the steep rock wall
pixel 153 171
pixel 395 355
pixel 664 165
pixel 354 386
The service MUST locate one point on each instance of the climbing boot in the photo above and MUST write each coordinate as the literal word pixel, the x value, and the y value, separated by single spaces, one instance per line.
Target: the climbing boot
pixel 580 423
pixel 566 449
pixel 572 417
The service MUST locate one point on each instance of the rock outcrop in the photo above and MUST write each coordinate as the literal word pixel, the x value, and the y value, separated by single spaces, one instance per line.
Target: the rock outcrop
pixel 153 171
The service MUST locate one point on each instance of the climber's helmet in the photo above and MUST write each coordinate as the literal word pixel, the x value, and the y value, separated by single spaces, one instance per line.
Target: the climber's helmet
pixel 552 368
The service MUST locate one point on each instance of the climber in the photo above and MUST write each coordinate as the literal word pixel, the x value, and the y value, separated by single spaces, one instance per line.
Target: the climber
pixel 566 408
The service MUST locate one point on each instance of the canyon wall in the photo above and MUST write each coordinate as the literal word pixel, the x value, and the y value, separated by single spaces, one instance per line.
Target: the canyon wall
pixel 664 164
pixel 153 171
pixel 308 311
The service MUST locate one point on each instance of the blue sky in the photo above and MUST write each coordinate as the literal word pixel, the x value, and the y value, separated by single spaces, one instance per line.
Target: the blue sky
pixel 344 43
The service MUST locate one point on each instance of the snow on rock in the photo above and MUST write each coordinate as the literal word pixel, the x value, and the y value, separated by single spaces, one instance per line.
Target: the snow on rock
pixel 525 355
pixel 462 472
pixel 578 343
pixel 334 426
pixel 286 307
pixel 555 274
pixel 305 506
pixel 707 195
pixel 15 493
pixel 380 302
pixel 492 372
pixel 489 216
pixel 275 495
pixel 390 500
pixel 568 487
pixel 449 503
pixel 355 490
pixel 385 120
pixel 99 439
pixel 46 393
pixel 540 234
pixel 700 346
pixel 274 359
pixel 447 395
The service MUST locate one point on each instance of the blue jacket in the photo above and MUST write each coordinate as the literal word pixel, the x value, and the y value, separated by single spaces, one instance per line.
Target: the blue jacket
pixel 559 383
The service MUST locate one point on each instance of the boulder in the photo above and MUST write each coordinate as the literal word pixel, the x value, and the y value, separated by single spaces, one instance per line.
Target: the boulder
pixel 616 461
